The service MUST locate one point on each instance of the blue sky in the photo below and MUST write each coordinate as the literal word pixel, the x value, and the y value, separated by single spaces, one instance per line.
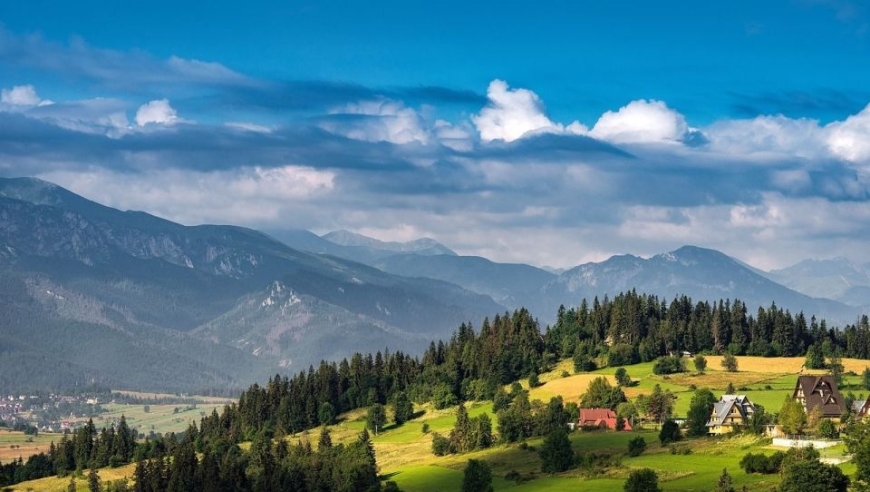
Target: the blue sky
pixel 553 133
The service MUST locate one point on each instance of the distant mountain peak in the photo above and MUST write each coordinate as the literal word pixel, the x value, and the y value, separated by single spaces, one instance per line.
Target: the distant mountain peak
pixel 424 245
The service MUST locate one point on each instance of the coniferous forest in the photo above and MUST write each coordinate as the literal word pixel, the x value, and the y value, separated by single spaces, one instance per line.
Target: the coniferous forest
pixel 474 364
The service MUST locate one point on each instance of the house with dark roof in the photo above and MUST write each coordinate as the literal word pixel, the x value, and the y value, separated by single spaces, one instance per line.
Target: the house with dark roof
pixel 603 418
pixel 820 392
pixel 729 414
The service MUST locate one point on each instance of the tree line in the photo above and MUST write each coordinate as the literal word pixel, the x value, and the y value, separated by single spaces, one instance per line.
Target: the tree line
pixel 634 327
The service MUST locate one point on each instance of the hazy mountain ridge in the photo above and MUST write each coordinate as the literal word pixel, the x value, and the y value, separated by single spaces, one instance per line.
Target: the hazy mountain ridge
pixel 836 278
pixel 422 246
pixel 151 281
pixel 195 306
pixel 700 273
pixel 511 284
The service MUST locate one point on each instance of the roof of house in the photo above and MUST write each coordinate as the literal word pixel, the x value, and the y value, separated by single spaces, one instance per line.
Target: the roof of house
pixel 722 408
pixel 600 417
pixel 821 392
pixel 588 414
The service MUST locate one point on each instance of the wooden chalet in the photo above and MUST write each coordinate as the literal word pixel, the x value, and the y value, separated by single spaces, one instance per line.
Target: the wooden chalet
pixel 820 392
pixel 729 414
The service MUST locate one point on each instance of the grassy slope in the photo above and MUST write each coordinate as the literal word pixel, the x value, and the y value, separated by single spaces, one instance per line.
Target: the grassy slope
pixel 160 418
pixel 414 468
pixel 404 453
pixel 55 484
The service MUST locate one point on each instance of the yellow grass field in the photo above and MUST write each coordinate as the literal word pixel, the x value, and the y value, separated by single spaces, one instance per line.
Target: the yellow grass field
pixel 155 396
pixel 780 364
pixel 55 484
pixel 569 388
pixel 15 444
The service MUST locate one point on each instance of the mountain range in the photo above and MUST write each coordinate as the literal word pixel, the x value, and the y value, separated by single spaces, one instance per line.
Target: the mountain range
pixel 91 294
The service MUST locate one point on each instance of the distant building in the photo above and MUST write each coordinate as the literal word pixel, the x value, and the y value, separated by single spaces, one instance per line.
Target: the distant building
pixel 603 418
pixel 820 392
pixel 730 413
pixel 860 408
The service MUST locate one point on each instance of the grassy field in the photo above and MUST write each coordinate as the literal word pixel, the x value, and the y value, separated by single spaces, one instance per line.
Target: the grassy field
pixel 55 484
pixel 161 419
pixel 16 444
pixel 404 453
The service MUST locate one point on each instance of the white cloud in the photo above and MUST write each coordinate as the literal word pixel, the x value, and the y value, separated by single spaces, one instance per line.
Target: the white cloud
pixel 850 139
pixel 767 135
pixel 259 195
pixel 248 127
pixel 641 121
pixel 378 121
pixel 514 113
pixel 157 111
pixel 22 95
pixel 457 137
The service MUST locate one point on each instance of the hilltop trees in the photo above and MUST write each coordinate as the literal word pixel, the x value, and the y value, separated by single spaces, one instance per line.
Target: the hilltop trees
pixel 600 394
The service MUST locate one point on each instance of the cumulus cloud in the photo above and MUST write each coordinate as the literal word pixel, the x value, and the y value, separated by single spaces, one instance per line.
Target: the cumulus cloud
pixel 771 135
pixel 778 136
pixel 513 113
pixel 157 111
pixel 22 95
pixel 850 139
pixel 398 171
pixel 642 121
pixel 378 121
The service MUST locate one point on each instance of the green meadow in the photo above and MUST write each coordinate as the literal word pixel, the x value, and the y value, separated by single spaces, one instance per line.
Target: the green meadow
pixel 404 453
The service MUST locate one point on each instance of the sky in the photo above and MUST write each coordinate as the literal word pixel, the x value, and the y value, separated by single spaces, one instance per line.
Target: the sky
pixel 553 133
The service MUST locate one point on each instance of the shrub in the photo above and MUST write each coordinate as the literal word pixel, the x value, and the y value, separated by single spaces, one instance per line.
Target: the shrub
pixel 441 446
pixel 760 463
pixel 669 433
pixel 622 377
pixel 556 454
pixel 477 477
pixel 669 364
pixel 636 446
pixel 513 476
pixel 700 363
pixel 643 480
pixel 622 354
pixel 584 363
pixel 729 362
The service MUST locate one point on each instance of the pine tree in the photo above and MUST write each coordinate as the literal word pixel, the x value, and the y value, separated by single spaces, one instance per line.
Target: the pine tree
pixel 556 454
pixel 376 418
pixel 94 482
pixel 477 477
pixel 403 408
pixel 725 483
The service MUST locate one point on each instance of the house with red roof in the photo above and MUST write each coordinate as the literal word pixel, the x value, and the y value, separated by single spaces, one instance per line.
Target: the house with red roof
pixel 603 418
